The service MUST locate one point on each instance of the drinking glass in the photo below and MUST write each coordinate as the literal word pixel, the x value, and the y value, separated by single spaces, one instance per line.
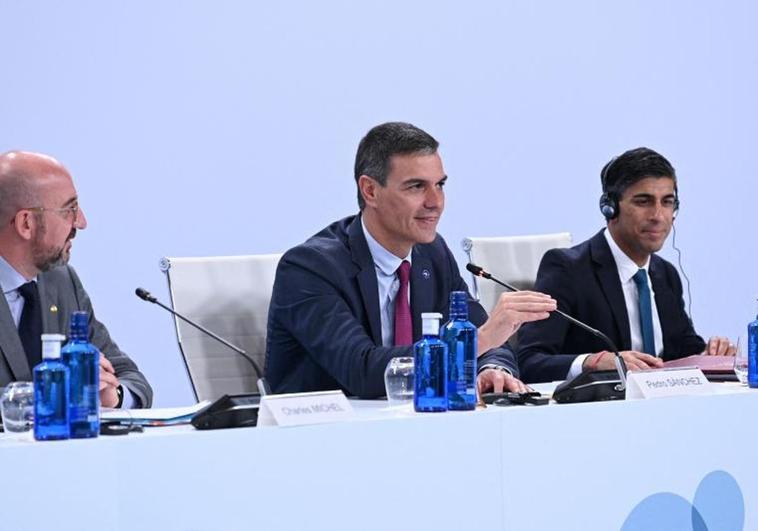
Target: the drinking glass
pixel 399 381
pixel 17 407
pixel 740 361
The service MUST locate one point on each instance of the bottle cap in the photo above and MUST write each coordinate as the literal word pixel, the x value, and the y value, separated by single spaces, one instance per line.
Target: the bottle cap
pixel 51 346
pixel 430 324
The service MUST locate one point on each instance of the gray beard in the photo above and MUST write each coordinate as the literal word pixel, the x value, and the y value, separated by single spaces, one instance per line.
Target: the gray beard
pixel 45 261
pixel 52 262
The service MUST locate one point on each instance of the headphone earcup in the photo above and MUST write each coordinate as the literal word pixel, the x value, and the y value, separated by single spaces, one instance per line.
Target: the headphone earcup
pixel 608 206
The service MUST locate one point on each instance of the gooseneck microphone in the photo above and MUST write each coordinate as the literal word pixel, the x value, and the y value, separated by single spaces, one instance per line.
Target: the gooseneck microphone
pixel 263 388
pixel 620 365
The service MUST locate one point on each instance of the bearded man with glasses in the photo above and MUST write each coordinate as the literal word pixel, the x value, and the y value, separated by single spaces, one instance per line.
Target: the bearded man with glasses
pixel 39 218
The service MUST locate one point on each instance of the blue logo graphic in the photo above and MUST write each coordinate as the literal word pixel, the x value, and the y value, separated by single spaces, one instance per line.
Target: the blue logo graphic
pixel 718 506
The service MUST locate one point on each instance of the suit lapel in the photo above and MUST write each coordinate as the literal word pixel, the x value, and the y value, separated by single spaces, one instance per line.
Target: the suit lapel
pixel 10 344
pixel 51 323
pixel 608 277
pixel 366 278
pixel 422 289
pixel 662 298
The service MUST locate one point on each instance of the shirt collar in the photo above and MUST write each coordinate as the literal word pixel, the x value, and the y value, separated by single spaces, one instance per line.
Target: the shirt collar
pixel 384 261
pixel 626 266
pixel 10 279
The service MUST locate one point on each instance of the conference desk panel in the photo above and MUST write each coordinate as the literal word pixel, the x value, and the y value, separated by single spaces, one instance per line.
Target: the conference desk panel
pixel 589 466
pixel 583 466
pixel 373 473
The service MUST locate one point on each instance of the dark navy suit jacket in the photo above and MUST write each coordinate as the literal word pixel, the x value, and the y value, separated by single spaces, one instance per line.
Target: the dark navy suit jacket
pixel 585 283
pixel 324 325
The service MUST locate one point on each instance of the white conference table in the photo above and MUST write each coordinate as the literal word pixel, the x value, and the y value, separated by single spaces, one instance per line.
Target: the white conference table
pixel 578 466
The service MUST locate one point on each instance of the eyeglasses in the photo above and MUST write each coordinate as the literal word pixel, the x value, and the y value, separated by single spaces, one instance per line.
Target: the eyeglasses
pixel 71 212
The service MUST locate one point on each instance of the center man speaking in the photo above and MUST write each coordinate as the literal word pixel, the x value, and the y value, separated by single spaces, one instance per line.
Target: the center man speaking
pixel 350 298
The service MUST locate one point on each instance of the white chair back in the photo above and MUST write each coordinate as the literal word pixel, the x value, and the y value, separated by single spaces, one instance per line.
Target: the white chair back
pixel 230 296
pixel 512 259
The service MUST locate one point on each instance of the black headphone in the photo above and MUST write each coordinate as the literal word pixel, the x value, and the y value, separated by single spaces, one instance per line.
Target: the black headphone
pixel 609 200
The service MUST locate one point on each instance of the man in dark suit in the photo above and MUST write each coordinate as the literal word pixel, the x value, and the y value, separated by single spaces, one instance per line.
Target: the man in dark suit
pixel 350 298
pixel 615 283
pixel 40 215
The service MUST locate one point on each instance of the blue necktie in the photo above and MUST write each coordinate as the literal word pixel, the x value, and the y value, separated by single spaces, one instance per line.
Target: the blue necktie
pixel 646 312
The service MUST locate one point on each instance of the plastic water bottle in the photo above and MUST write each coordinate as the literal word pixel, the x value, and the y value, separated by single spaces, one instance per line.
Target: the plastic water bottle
pixel 51 392
pixel 460 336
pixel 431 367
pixel 83 362
pixel 752 354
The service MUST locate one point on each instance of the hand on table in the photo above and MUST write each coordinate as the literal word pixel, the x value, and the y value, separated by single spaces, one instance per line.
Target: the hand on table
pixel 720 346
pixel 108 383
pixel 606 361
pixel 497 381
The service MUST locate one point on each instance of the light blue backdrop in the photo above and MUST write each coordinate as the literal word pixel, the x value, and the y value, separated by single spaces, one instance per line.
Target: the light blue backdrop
pixel 229 127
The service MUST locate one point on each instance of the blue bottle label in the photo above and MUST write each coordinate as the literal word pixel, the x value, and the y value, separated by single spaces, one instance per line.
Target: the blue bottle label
pixel 431 375
pixel 461 338
pixel 51 384
pixel 82 360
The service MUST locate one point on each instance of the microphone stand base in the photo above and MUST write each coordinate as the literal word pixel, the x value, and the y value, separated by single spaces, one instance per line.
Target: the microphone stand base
pixel 229 411
pixel 591 386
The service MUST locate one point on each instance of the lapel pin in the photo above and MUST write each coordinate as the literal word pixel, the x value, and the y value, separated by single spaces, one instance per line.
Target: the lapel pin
pixel 54 308
pixel 426 274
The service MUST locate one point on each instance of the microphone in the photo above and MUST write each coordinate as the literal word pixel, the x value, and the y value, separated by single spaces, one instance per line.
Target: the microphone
pixel 581 381
pixel 145 295
pixel 262 385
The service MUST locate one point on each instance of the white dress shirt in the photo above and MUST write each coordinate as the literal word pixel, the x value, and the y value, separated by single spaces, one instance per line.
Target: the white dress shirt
pixel 386 264
pixel 627 268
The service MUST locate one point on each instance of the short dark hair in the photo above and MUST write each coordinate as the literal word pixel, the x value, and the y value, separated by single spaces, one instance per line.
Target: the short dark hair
pixel 631 167
pixel 384 141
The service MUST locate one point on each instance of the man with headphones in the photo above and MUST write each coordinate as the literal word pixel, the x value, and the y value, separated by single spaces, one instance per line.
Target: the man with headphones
pixel 616 283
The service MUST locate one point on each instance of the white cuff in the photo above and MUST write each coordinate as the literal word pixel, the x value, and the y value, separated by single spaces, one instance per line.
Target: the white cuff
pixel 576 366
pixel 129 400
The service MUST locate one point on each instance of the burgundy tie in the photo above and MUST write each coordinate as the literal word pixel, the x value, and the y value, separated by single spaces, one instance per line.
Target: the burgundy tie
pixel 403 323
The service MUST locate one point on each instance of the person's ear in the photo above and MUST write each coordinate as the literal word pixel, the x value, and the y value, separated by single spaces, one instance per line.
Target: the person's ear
pixel 25 223
pixel 368 187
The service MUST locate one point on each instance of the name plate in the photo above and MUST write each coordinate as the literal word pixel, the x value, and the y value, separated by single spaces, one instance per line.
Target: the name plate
pixel 298 409
pixel 667 382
